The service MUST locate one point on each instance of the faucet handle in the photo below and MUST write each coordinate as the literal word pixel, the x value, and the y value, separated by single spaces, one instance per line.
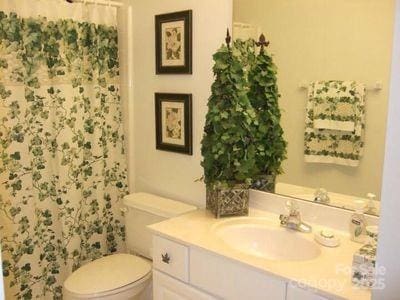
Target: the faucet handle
pixel 321 195
pixel 291 207
pixel 283 219
pixel 293 219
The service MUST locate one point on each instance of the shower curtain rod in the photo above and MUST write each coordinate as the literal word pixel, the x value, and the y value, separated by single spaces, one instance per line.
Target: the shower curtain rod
pixel 98 2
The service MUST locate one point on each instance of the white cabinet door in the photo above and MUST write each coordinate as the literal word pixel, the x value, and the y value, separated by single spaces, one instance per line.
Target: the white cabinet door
pixel 296 293
pixel 168 288
pixel 231 280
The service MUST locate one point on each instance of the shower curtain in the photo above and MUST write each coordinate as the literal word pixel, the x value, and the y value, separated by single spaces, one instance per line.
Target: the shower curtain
pixel 62 167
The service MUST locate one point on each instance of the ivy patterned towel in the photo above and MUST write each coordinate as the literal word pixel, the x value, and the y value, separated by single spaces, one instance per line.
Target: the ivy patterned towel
pixel 335 122
pixel 336 104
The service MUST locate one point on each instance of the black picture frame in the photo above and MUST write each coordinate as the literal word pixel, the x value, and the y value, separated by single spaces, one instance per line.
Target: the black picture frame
pixel 183 65
pixel 176 102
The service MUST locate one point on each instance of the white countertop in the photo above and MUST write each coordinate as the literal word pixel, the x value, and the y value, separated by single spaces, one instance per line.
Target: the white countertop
pixel 328 275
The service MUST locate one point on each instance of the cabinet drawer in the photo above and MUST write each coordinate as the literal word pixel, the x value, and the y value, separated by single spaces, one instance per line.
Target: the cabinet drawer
pixel 171 258
pixel 167 288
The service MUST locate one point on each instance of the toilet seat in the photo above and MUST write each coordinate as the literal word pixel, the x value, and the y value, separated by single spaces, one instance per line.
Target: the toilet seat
pixel 117 274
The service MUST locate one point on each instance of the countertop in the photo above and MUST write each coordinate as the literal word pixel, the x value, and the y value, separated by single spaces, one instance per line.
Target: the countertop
pixel 328 275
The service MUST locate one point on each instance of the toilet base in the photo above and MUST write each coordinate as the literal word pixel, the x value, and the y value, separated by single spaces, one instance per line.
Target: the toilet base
pixel 146 294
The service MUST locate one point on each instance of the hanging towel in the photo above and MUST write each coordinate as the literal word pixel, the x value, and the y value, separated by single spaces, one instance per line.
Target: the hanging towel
pixel 335 104
pixel 341 139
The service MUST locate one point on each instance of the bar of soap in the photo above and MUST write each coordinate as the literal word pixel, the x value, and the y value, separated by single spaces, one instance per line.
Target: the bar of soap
pixel 327 238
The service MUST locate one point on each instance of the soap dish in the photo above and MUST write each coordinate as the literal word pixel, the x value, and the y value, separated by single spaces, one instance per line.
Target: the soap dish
pixel 327 238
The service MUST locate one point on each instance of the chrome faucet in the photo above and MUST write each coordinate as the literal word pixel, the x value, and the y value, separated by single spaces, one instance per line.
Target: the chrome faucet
pixel 321 196
pixel 293 219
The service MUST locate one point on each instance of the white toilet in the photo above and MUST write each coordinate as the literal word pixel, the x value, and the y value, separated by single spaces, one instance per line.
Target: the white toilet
pixel 126 276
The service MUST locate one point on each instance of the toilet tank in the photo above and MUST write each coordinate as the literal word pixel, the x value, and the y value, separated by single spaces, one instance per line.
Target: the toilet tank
pixel 145 209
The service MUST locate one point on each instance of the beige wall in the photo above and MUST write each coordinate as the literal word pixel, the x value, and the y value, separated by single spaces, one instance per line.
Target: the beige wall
pixel 166 173
pixel 322 40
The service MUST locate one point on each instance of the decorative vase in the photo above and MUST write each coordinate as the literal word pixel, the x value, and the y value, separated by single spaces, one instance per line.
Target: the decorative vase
pixel 265 184
pixel 225 202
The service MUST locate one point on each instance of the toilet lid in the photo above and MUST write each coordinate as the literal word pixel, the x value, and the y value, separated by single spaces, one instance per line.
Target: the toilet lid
pixel 107 273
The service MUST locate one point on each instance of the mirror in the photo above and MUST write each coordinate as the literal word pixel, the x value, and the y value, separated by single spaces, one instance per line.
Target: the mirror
pixel 322 40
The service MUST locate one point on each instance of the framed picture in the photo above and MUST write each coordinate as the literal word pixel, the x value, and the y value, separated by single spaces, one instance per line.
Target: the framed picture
pixel 174 122
pixel 174 43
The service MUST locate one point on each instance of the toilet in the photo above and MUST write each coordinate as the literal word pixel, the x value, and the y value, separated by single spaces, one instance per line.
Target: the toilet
pixel 126 275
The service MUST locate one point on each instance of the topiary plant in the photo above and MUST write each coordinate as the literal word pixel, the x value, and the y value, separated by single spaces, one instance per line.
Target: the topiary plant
pixel 267 131
pixel 243 141
pixel 227 148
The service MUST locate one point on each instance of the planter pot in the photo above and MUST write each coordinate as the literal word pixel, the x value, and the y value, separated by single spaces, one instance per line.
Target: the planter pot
pixel 265 184
pixel 225 202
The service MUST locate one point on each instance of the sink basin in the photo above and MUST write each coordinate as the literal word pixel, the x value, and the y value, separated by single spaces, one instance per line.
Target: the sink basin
pixel 258 237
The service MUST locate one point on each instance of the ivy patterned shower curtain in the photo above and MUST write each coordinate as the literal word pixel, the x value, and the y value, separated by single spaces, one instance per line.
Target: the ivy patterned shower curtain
pixel 62 162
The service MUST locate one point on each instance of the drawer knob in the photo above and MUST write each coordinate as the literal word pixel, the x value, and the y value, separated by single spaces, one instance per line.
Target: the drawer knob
pixel 165 258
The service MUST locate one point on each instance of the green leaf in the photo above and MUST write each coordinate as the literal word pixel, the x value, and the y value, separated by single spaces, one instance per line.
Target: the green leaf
pixel 16 155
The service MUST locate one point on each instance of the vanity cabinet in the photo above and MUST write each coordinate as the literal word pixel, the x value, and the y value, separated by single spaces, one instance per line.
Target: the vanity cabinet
pixel 189 273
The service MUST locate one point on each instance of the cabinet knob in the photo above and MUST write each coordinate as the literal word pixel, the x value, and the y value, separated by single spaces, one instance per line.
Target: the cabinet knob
pixel 165 258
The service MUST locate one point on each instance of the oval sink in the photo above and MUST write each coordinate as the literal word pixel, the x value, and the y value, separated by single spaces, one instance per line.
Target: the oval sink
pixel 258 238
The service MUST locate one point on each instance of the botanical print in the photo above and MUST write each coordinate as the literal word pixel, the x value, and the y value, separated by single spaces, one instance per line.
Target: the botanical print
pixel 62 168
pixel 173 50
pixel 173 45
pixel 172 123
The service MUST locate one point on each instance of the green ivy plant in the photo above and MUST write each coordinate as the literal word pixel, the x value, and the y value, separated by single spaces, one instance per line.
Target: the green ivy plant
pixel 227 146
pixel 245 51
pixel 267 131
pixel 243 140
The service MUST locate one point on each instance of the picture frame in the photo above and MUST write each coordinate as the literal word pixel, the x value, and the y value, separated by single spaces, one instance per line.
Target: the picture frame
pixel 174 122
pixel 174 43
